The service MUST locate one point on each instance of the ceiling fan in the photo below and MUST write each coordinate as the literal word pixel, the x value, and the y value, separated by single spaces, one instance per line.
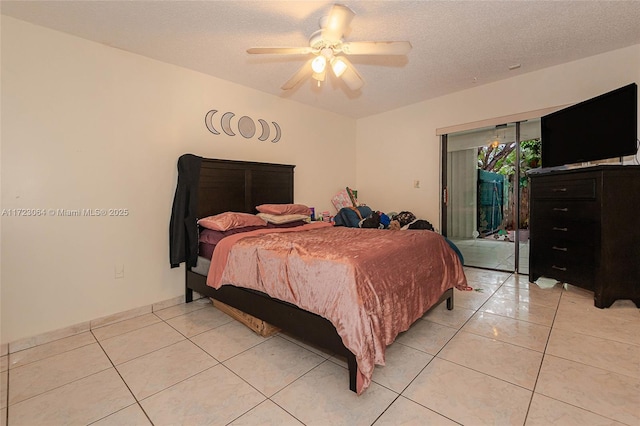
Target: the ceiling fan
pixel 329 49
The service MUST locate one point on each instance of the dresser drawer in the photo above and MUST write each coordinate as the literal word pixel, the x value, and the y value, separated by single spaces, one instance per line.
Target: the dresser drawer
pixel 565 209
pixel 565 188
pixel 568 262
pixel 565 231
pixel 564 252
pixel 579 275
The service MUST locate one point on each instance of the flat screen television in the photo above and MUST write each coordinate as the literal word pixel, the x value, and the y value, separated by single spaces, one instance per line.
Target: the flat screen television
pixel 599 128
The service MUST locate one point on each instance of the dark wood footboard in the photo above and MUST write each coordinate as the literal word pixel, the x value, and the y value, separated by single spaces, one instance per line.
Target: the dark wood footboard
pixel 302 324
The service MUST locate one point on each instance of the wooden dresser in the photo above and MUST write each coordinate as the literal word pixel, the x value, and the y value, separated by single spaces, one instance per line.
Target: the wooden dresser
pixel 585 230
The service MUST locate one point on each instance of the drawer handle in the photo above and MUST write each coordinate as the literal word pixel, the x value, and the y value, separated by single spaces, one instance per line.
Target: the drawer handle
pixel 555 228
pixel 560 209
pixel 559 189
pixel 559 268
pixel 560 248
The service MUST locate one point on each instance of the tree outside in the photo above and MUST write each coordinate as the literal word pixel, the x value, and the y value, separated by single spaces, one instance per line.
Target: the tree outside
pixel 500 158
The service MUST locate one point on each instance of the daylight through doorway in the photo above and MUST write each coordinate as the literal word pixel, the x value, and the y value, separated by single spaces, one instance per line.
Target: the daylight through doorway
pixel 485 188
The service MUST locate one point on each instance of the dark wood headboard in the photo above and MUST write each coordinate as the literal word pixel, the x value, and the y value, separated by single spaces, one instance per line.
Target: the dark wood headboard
pixel 240 186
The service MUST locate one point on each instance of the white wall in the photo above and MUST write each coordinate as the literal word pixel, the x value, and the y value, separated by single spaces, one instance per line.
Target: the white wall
pixel 88 126
pixel 400 146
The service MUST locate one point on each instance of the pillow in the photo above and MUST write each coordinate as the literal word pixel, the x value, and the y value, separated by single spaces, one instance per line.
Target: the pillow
pixel 230 220
pixel 280 209
pixel 283 218
pixel 288 224
pixel 211 236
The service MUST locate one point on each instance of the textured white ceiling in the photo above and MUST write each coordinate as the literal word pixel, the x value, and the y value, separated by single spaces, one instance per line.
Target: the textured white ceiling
pixel 456 44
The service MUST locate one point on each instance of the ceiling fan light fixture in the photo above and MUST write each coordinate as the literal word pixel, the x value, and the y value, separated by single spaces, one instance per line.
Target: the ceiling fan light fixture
pixel 319 76
pixel 319 64
pixel 329 41
pixel 338 66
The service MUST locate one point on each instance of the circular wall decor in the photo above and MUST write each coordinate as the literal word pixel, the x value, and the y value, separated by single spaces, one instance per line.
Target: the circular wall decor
pixel 246 127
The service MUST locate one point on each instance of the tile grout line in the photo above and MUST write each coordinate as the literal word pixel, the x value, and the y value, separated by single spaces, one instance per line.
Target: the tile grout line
pixel 123 381
pixel 440 350
pixel 161 320
pixel 51 356
pixel 185 339
pixel 284 409
pixel 512 344
pixel 7 395
pixel 533 390
pixel 563 293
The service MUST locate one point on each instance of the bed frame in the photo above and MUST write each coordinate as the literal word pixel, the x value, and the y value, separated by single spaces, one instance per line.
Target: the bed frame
pixel 239 186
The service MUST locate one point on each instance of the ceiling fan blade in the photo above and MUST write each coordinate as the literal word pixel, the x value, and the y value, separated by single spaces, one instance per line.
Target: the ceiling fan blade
pixel 337 22
pixel 302 73
pixel 280 50
pixel 350 76
pixel 376 47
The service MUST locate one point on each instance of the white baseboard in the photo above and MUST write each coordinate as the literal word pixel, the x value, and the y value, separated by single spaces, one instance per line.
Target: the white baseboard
pixel 50 336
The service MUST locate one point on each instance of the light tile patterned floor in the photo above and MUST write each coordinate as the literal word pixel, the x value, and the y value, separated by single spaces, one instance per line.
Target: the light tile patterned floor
pixel 493 254
pixel 510 353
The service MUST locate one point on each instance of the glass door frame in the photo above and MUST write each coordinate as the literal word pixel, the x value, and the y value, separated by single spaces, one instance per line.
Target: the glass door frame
pixel 444 190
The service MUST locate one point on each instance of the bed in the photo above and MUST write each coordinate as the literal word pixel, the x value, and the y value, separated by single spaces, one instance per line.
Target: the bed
pixel 217 186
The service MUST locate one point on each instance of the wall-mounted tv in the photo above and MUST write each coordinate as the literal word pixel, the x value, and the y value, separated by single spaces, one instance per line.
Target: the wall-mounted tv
pixel 599 128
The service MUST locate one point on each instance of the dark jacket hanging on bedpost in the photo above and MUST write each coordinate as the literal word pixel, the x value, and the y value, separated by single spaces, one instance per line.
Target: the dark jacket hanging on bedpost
pixel 183 228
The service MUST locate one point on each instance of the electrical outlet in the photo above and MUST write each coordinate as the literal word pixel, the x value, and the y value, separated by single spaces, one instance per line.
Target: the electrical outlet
pixel 118 271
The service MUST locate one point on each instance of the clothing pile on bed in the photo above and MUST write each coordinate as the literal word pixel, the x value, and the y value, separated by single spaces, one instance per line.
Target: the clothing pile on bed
pixel 365 217
pixel 214 228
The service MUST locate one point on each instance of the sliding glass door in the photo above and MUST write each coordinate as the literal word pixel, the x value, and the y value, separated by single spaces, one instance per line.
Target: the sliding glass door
pixel 485 203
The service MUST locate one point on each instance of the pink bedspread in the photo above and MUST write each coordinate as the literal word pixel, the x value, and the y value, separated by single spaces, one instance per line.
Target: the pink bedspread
pixel 371 284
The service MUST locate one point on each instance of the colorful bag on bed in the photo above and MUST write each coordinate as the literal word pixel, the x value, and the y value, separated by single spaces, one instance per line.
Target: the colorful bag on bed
pixel 404 217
